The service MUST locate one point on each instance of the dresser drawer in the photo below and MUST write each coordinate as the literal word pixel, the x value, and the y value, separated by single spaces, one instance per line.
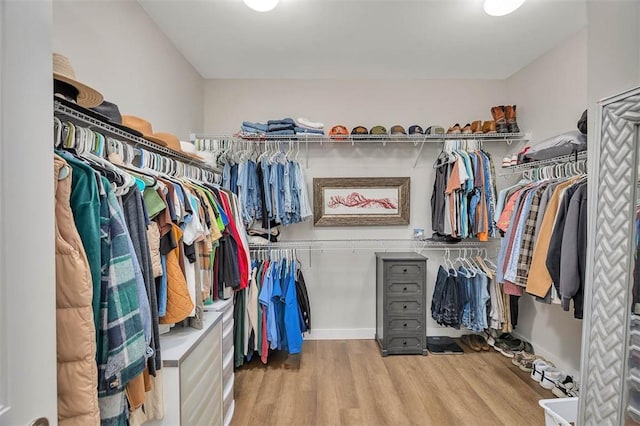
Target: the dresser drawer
pixel 227 338
pixel 406 343
pixel 405 306
pixel 408 269
pixel 404 287
pixel 405 325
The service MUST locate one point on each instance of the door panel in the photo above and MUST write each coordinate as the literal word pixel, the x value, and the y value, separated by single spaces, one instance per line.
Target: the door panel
pixel 27 257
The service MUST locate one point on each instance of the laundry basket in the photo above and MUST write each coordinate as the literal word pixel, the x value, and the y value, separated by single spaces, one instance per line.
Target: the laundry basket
pixel 560 411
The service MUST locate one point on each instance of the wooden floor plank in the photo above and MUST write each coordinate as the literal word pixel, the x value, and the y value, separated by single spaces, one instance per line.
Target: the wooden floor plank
pixel 349 383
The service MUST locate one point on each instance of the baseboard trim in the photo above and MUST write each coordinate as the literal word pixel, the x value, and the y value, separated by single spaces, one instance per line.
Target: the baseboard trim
pixel 341 334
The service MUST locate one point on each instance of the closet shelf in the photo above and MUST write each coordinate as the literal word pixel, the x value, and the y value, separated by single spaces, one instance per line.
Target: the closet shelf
pixel 78 118
pixel 372 244
pixel 535 164
pixel 367 139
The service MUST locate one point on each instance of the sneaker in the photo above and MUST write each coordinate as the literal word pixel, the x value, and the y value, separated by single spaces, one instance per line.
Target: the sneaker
pixel 538 367
pixel 514 160
pixel 509 348
pixel 551 377
pixel 524 361
pixel 565 389
pixel 506 162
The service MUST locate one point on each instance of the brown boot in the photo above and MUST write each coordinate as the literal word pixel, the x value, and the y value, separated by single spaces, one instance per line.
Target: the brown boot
pixel 510 115
pixel 476 126
pixel 467 129
pixel 489 127
pixel 499 117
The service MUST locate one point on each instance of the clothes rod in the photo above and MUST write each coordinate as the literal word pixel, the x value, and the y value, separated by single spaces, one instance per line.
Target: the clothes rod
pixel 81 119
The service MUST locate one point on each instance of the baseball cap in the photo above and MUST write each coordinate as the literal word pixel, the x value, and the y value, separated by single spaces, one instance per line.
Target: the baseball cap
pixel 378 130
pixel 398 130
pixel 435 130
pixel 337 131
pixel 359 130
pixel 415 129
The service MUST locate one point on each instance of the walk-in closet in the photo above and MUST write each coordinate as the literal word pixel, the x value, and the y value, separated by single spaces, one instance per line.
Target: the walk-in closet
pixel 319 212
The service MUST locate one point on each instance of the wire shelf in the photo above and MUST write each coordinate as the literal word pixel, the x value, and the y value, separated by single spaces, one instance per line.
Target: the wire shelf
pixel 582 155
pixel 373 244
pixel 321 139
pixel 81 119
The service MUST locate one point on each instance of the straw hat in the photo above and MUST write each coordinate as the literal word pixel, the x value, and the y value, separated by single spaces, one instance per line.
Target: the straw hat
pixel 143 126
pixel 173 143
pixel 63 71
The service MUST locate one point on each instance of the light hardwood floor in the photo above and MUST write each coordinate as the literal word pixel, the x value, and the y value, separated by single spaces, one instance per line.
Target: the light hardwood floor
pixel 347 382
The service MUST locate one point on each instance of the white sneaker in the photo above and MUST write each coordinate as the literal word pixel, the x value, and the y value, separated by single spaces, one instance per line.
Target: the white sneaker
pixel 506 162
pixel 551 377
pixel 538 368
pixel 514 160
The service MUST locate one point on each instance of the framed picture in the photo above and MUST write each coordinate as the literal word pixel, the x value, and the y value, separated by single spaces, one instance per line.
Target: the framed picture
pixel 361 201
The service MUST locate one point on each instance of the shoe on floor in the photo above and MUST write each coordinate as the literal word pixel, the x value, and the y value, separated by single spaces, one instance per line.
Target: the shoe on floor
pixel 538 367
pixel 509 348
pixel 565 389
pixel 468 340
pixel 551 377
pixel 524 361
pixel 481 341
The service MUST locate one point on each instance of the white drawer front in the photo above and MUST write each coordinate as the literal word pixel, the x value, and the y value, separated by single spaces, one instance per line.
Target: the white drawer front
pixel 227 339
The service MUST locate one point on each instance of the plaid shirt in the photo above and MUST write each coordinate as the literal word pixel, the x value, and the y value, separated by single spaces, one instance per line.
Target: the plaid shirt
pixel 121 343
pixel 528 240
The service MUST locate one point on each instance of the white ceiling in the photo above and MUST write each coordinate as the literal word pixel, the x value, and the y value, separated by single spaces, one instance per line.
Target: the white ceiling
pixel 347 39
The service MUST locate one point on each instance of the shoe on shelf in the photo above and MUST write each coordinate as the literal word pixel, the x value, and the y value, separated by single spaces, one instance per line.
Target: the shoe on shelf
pixel 466 130
pixel 476 126
pixel 454 130
pixel 498 115
pixel 514 160
pixel 489 127
pixel 538 367
pixel 551 377
pixel 510 116
pixel 565 389
pixel 506 162
pixel 468 340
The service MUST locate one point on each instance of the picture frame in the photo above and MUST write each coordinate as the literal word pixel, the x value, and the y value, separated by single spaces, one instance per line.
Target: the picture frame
pixel 361 201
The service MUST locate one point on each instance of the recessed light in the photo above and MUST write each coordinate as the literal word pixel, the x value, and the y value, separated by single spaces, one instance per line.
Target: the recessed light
pixel 261 5
pixel 501 7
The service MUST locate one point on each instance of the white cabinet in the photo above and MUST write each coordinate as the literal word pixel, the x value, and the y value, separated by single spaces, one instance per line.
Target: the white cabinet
pixel 193 371
pixel 226 308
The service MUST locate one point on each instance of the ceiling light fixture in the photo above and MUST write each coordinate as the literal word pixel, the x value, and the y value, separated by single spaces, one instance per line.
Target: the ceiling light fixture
pixel 261 5
pixel 500 7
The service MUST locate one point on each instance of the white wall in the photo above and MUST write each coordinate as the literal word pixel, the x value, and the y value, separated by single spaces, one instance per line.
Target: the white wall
pixel 342 283
pixel 116 48
pixel 552 91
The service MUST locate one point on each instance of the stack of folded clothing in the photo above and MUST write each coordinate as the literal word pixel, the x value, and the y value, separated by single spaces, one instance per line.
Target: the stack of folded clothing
pixel 308 127
pixel 286 126
pixel 251 128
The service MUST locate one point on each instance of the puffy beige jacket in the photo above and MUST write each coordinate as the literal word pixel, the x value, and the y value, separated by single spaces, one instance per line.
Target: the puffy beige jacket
pixel 153 234
pixel 75 330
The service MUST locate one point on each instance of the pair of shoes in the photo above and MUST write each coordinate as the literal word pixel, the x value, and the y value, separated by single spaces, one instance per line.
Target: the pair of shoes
pixel 509 348
pixel 475 341
pixel 566 389
pixel 524 361
pixel 476 127
pixel 505 118
pixel 510 161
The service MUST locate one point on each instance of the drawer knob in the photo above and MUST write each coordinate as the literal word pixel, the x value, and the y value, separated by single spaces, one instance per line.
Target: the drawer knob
pixel 404 307
pixel 404 289
pixel 404 325
pixel 404 342
pixel 404 270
